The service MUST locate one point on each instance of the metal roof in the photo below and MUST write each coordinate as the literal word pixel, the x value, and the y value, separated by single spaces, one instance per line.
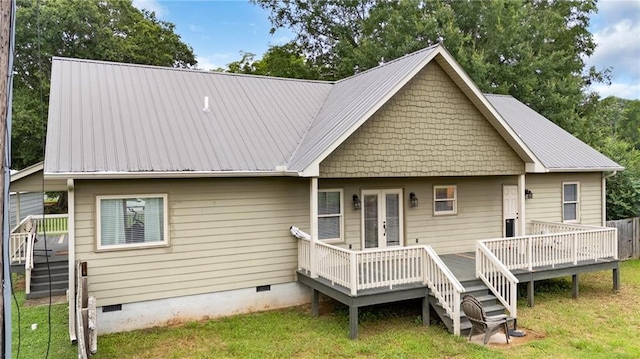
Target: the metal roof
pixel 112 117
pixel 557 149
pixel 122 120
pixel 353 100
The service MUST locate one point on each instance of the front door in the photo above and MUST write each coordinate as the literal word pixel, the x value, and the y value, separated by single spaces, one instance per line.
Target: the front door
pixel 382 218
pixel 510 211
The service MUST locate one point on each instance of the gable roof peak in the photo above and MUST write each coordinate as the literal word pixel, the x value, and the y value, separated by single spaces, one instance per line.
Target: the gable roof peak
pixel 387 63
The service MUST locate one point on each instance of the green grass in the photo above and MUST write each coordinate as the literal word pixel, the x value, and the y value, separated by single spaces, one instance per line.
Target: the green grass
pixel 29 343
pixel 599 324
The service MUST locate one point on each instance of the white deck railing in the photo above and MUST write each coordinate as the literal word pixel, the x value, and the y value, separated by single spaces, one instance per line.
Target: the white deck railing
pixel 443 285
pixel 28 263
pixel 565 244
pixel 49 224
pixel 542 227
pixel 389 267
pixel 52 223
pixel 502 283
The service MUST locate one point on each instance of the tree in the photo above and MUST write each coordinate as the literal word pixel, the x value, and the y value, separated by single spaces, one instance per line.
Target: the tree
pixel 533 50
pixel 279 61
pixel 111 30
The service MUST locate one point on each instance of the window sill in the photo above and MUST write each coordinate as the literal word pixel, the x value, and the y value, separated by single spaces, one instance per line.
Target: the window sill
pixel 129 247
pixel 438 214
pixel 332 241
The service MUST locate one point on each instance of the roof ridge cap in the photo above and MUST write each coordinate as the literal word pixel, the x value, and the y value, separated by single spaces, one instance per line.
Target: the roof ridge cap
pixel 181 69
pixel 390 62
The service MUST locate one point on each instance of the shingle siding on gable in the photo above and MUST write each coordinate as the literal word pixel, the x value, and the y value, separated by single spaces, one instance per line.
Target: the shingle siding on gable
pixel 430 128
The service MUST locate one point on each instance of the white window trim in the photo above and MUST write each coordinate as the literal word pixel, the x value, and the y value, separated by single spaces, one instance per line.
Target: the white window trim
pixel 341 238
pixel 455 200
pixel 577 202
pixel 129 246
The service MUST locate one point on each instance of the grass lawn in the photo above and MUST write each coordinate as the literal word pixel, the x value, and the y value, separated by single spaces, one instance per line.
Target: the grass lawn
pixel 599 324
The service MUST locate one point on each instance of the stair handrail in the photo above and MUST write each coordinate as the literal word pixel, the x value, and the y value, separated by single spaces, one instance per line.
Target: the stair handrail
pixel 444 286
pixel 19 235
pixel 28 263
pixel 502 283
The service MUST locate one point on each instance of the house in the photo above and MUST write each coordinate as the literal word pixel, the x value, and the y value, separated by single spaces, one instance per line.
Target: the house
pixel 183 186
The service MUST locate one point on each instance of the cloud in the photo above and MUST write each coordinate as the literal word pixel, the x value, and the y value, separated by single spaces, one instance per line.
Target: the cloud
pixel 151 5
pixel 618 89
pixel 281 40
pixel 215 61
pixel 616 30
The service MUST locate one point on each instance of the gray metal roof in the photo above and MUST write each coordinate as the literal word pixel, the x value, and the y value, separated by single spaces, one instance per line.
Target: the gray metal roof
pixel 112 117
pixel 115 119
pixel 352 99
pixel 556 148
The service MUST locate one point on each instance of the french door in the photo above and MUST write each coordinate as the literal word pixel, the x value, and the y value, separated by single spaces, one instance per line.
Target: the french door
pixel 382 224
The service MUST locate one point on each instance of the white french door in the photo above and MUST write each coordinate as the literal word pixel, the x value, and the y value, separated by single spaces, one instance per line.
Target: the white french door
pixel 382 224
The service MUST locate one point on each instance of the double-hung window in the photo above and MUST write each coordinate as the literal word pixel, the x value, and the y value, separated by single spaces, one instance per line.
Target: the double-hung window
pixel 570 202
pixel 132 221
pixel 445 200
pixel 330 215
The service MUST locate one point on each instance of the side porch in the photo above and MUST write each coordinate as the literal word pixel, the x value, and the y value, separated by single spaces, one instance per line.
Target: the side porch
pixel 491 273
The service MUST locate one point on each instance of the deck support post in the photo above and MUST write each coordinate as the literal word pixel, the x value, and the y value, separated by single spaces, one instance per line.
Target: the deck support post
pixel 315 302
pixel 530 293
pixel 616 279
pixel 353 322
pixel 425 312
pixel 574 288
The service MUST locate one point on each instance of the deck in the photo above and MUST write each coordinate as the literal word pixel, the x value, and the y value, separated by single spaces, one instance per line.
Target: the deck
pixel 362 278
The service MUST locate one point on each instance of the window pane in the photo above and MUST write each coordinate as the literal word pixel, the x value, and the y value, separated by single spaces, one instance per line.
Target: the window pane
pixel 131 220
pixel 570 211
pixel 370 221
pixel 329 202
pixel 393 219
pixel 444 206
pixel 329 227
pixel 445 193
pixel 570 192
pixel 112 217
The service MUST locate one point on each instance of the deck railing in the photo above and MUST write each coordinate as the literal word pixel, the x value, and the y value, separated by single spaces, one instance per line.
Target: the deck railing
pixel 52 223
pixel 542 227
pixel 444 286
pixel 389 267
pixel 28 263
pixel 566 244
pixel 502 283
pixel 49 224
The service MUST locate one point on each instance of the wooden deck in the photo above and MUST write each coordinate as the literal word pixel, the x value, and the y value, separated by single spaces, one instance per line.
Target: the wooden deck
pixel 462 265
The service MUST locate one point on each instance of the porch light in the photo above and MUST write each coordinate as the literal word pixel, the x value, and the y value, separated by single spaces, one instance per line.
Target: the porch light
pixel 528 193
pixel 413 199
pixel 356 202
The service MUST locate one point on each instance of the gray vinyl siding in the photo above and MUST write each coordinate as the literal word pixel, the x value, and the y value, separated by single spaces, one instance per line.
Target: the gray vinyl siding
pixel 479 210
pixel 546 204
pixel 225 234
pixel 30 203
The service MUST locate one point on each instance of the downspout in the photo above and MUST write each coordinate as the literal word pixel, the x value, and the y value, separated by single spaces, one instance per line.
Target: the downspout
pixel 71 243
pixel 604 197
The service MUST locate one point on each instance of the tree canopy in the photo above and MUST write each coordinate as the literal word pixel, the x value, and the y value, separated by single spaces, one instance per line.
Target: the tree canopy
pixel 110 30
pixel 533 50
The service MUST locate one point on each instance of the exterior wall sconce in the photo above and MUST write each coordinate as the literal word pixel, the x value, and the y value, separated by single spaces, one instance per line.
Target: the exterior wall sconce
pixel 528 193
pixel 413 199
pixel 356 202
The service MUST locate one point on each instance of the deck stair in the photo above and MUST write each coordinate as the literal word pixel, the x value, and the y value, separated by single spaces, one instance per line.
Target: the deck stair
pixel 478 289
pixel 59 270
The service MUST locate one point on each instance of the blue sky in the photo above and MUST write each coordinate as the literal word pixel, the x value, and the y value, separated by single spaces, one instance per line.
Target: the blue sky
pixel 218 30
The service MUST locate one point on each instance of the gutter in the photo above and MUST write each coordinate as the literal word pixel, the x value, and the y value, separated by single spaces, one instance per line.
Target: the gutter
pixel 166 174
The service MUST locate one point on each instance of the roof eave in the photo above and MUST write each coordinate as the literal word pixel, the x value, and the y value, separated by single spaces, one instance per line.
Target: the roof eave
pixel 167 174
pixel 585 169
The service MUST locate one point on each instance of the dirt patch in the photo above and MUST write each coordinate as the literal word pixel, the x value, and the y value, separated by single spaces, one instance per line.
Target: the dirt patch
pixel 59 299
